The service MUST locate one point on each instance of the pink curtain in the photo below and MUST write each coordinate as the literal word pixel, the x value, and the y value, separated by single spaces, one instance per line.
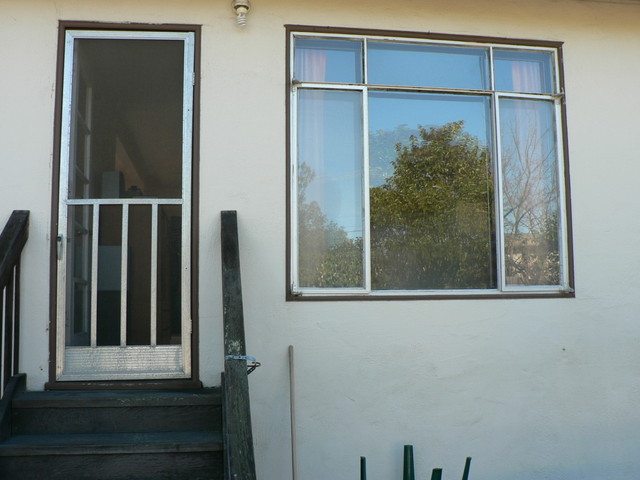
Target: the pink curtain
pixel 311 66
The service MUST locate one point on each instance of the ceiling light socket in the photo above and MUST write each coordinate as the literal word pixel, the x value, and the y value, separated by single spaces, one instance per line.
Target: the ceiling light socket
pixel 242 8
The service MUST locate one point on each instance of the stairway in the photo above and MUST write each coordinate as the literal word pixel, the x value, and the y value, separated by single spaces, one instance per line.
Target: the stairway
pixel 114 435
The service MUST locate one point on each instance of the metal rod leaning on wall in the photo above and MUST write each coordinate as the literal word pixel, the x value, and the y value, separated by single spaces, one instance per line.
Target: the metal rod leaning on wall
pixel 292 407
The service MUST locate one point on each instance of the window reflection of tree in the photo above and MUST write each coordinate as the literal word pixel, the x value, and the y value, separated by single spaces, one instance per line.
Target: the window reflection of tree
pixel 432 219
pixel 328 257
pixel 530 193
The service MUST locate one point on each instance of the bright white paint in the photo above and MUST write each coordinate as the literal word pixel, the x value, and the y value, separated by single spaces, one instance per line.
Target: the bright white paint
pixel 531 389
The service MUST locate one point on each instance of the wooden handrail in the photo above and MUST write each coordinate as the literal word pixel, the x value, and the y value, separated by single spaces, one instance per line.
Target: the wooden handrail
pixel 12 241
pixel 238 437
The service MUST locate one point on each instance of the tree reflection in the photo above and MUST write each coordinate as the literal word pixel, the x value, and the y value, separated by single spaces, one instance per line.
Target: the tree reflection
pixel 530 193
pixel 327 258
pixel 432 219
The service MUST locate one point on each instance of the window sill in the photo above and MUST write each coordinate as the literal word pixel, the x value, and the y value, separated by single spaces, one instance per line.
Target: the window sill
pixel 309 295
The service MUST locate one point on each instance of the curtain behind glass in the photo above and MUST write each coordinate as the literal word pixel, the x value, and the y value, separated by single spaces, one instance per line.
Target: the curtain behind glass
pixel 329 187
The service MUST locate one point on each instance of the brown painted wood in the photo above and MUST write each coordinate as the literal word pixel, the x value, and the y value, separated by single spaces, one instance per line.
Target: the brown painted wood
pixel 125 385
pixel 71 435
pixel 113 398
pixel 111 443
pixel 104 411
pixel 15 385
pixel 12 240
pixel 116 419
pixel 16 323
pixel 7 350
pixel 422 35
pixel 115 466
pixel 240 461
pixel 234 340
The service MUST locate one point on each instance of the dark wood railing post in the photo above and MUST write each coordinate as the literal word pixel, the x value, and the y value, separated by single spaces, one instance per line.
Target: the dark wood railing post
pixel 12 240
pixel 240 464
pixel 7 348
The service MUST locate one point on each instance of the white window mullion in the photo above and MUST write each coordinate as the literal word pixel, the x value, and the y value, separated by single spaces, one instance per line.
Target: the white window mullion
pixel 366 241
pixel 365 61
pixel 293 201
pixel 563 235
pixel 492 81
pixel 563 231
pixel 499 201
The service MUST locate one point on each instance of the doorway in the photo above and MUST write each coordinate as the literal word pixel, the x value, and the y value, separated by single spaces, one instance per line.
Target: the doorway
pixel 124 215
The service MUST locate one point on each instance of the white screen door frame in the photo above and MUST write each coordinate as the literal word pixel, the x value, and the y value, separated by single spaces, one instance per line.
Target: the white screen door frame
pixel 89 360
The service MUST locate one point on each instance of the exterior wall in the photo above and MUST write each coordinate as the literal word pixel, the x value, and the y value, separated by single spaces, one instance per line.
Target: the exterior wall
pixel 531 389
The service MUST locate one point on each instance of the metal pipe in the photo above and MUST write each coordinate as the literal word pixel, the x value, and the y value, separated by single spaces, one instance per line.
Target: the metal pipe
pixel 292 407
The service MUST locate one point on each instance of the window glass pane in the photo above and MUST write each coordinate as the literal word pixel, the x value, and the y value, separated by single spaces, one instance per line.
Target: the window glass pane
pixel 523 71
pixel 427 65
pixel 330 218
pixel 431 192
pixel 126 122
pixel 530 192
pixel 328 60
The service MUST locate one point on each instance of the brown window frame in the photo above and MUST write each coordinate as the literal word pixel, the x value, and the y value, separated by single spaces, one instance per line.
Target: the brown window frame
pixel 294 294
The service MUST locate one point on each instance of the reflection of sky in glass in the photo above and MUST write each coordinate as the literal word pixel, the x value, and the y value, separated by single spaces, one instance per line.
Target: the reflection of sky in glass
pixel 330 143
pixel 523 71
pixel 328 60
pixel 399 114
pixel 427 65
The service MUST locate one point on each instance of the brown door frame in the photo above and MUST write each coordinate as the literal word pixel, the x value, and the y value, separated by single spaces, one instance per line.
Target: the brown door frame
pixel 194 381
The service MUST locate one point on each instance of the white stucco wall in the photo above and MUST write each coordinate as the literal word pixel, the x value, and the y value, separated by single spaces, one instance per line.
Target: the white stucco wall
pixel 531 389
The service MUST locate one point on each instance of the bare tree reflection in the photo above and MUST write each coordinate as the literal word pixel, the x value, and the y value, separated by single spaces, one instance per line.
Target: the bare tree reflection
pixel 530 193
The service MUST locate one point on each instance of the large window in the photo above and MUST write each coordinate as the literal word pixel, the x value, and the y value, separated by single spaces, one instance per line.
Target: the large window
pixel 426 167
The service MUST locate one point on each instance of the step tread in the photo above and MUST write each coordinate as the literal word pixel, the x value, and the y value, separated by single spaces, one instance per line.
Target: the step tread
pixel 116 398
pixel 111 443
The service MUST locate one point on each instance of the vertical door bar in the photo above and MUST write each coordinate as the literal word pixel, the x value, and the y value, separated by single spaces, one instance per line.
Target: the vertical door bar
pixel 94 274
pixel 154 275
pixel 123 275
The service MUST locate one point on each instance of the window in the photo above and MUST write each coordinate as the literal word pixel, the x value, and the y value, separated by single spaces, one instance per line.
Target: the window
pixel 426 167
